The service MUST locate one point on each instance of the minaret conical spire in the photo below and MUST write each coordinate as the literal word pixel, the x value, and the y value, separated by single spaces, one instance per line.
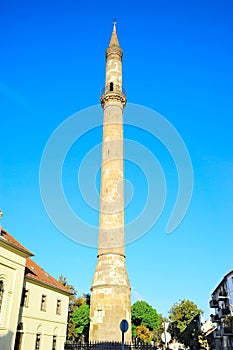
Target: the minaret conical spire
pixel 114 39
pixel 113 77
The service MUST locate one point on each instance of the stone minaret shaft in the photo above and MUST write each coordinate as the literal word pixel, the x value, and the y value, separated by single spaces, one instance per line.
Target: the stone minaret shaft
pixel 110 291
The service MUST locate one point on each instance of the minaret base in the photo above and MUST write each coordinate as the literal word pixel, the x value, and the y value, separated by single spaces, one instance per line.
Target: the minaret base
pixel 110 300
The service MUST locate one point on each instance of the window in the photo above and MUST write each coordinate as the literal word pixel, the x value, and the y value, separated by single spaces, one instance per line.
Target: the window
pixel 99 311
pixel 19 337
pixel 1 293
pixel 111 87
pixel 54 346
pixel 43 302
pixel 58 309
pixel 25 298
pixel 38 341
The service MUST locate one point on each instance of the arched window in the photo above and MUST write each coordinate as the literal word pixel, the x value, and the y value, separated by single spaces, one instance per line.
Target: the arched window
pixel 38 341
pixel 55 339
pixel 54 344
pixel 39 333
pixel 1 293
pixel 111 86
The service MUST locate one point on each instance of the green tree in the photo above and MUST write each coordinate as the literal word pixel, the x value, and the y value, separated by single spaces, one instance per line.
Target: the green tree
pixel 185 323
pixel 71 334
pixel 81 320
pixel 143 314
pixel 74 303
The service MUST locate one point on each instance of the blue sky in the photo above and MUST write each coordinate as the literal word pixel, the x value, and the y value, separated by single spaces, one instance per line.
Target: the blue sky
pixel 177 61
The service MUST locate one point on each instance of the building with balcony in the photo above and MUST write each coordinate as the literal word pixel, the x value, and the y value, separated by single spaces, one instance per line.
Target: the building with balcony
pixel 222 303
pixel 33 304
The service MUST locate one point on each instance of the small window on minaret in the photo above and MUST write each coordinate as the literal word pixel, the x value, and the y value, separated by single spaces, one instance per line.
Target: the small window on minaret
pixel 111 86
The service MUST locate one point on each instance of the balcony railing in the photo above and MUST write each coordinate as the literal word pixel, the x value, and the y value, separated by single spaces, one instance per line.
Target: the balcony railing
pixel 227 330
pixel 213 303
pixel 222 295
pixel 116 89
pixel 224 312
pixel 215 318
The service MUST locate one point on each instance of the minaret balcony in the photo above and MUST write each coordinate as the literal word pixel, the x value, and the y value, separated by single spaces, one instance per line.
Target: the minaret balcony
pixel 111 95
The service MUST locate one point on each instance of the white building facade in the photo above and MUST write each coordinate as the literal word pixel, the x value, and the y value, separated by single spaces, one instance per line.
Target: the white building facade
pixel 33 305
pixel 12 267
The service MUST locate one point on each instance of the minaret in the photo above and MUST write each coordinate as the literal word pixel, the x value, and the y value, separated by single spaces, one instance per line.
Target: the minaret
pixel 110 290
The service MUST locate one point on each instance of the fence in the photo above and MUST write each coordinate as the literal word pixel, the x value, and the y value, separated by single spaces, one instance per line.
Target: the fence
pixel 108 346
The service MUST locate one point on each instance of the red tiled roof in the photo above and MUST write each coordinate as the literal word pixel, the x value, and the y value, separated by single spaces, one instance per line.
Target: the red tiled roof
pixel 35 272
pixel 5 235
pixel 32 270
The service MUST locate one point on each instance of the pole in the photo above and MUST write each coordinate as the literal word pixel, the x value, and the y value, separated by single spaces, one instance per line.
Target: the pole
pixel 123 340
pixel 165 335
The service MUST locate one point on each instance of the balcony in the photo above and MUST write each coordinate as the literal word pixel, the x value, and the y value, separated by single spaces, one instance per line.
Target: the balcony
pixel 222 295
pixel 224 312
pixel 227 330
pixel 214 318
pixel 113 94
pixel 228 325
pixel 213 303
